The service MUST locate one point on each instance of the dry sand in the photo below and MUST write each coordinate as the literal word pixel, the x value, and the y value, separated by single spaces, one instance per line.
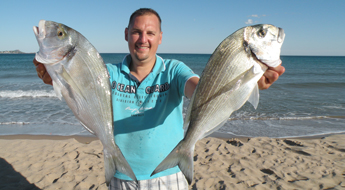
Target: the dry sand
pixel 33 162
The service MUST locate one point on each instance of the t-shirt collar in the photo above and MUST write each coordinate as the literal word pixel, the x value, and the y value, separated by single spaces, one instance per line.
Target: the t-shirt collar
pixel 159 65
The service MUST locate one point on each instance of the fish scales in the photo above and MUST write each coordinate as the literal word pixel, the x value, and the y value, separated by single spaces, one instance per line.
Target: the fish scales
pixel 227 82
pixel 80 76
pixel 230 50
pixel 85 105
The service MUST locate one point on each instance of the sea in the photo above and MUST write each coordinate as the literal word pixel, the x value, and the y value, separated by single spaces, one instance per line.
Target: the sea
pixel 307 100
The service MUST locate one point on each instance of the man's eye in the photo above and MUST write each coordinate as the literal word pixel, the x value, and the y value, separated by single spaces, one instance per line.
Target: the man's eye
pixel 135 32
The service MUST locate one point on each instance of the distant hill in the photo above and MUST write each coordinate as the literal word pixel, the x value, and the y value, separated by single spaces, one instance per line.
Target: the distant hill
pixel 12 52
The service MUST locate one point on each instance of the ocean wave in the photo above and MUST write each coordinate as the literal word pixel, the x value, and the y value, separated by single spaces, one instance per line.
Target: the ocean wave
pixel 30 94
pixel 14 123
pixel 329 84
pixel 289 118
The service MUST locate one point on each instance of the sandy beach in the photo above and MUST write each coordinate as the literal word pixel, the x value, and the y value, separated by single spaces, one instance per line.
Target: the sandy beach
pixel 55 162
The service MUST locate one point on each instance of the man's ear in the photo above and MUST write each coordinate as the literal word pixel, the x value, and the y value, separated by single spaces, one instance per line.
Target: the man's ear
pixel 160 37
pixel 126 34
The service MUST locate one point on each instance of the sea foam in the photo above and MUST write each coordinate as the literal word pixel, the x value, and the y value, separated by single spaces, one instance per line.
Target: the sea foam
pixel 27 94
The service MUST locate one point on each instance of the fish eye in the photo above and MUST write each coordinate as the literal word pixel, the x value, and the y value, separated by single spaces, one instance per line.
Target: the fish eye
pixel 261 33
pixel 61 33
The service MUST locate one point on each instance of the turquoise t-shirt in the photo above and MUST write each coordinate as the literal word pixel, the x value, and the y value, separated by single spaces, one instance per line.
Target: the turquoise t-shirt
pixel 148 121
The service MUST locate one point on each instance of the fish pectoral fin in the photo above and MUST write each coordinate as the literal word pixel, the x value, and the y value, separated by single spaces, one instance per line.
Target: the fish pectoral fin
pixel 254 97
pixel 209 132
pixel 227 89
pixel 235 84
pixel 57 90
pixel 74 93
pixel 88 129
pixel 247 79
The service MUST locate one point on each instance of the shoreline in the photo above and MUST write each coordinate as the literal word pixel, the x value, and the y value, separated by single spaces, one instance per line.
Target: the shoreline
pixel 86 139
pixel 79 138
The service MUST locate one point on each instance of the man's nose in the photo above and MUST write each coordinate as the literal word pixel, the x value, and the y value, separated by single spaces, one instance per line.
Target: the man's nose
pixel 143 38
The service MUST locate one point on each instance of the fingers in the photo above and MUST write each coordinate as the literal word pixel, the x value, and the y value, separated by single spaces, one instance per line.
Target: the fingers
pixel 42 72
pixel 280 69
pixel 36 62
pixel 270 76
pixel 263 84
pixel 47 79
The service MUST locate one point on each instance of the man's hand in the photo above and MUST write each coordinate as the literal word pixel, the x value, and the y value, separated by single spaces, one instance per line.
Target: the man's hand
pixel 270 76
pixel 42 72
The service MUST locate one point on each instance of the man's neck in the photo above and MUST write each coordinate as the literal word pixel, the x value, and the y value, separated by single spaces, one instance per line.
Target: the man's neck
pixel 141 70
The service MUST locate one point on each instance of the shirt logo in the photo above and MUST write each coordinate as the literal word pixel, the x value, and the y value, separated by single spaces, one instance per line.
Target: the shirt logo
pixel 157 88
pixel 123 88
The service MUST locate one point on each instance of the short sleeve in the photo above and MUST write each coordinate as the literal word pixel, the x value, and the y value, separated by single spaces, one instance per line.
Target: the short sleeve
pixel 183 74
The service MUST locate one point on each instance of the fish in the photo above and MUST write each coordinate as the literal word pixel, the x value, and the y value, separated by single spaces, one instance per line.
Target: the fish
pixel 228 80
pixel 81 78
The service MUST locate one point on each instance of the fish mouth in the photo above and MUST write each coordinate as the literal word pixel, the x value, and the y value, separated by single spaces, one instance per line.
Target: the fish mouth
pixel 40 30
pixel 45 54
pixel 36 30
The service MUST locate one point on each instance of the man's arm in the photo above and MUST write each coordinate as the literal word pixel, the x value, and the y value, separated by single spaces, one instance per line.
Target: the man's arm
pixel 190 86
pixel 270 76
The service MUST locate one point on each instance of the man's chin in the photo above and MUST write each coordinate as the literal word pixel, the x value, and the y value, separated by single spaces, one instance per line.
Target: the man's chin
pixel 141 57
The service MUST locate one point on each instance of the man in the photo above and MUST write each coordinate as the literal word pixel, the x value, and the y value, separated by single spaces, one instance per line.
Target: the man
pixel 147 94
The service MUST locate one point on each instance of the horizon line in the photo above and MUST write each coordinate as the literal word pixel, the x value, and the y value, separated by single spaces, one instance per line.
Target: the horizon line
pixel 173 53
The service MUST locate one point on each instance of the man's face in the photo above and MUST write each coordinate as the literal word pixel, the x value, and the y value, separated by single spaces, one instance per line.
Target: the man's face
pixel 143 37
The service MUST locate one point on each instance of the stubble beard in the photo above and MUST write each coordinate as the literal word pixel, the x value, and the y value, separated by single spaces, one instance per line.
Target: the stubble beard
pixel 141 58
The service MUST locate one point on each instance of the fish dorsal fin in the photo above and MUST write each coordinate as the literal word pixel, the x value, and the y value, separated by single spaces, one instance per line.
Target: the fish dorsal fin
pixel 254 97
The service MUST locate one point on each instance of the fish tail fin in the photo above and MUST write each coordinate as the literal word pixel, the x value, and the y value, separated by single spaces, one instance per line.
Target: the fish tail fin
pixel 114 160
pixel 181 156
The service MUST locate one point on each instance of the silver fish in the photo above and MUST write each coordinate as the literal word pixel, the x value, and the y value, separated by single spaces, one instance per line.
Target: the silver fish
pixel 227 82
pixel 80 76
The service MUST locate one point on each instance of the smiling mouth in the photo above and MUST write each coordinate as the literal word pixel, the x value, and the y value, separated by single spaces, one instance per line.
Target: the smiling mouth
pixel 143 47
pixel 140 47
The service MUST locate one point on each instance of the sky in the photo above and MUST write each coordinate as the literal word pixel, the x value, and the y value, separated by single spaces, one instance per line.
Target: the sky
pixel 312 27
